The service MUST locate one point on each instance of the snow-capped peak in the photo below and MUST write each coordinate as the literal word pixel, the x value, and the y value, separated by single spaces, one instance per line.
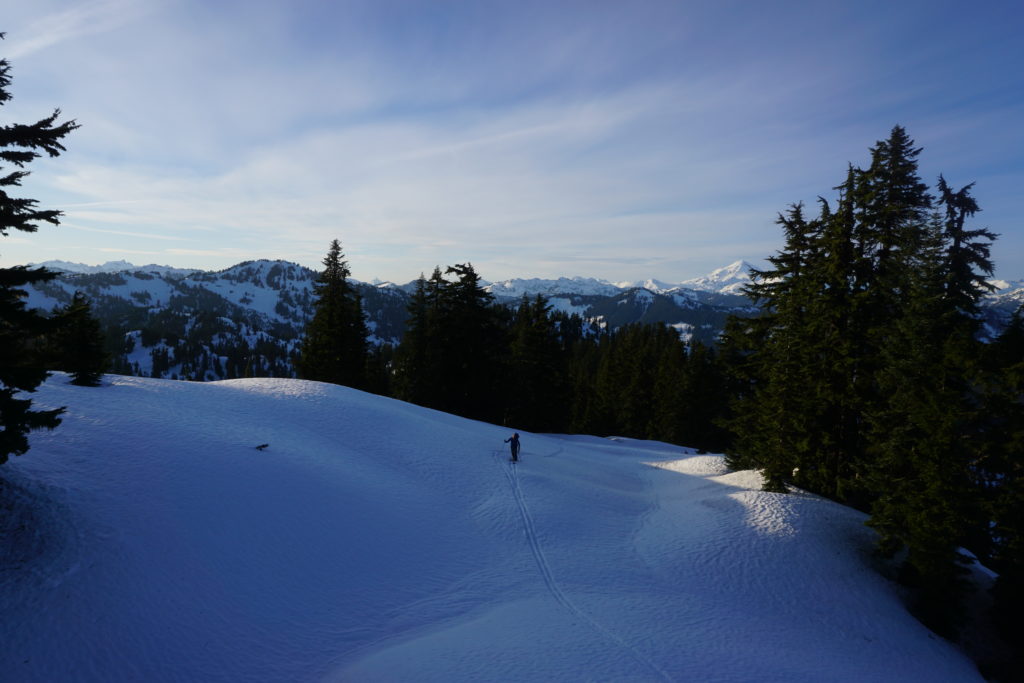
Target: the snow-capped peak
pixel 650 284
pixel 1002 285
pixel 727 280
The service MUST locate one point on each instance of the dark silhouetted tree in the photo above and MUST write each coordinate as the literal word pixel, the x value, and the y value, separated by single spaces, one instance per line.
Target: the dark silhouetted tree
pixel 21 144
pixel 335 346
pixel 537 390
pixel 452 357
pixel 76 343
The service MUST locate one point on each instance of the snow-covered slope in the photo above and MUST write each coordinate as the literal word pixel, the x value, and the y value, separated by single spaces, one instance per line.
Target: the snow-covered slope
pixel 726 280
pixel 585 286
pixel 649 284
pixel 148 539
pixel 1008 296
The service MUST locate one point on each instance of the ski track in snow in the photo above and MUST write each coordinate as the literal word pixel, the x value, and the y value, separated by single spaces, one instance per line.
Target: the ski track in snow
pixel 511 473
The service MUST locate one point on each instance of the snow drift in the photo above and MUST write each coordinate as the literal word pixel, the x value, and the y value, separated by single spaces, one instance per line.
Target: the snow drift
pixel 148 538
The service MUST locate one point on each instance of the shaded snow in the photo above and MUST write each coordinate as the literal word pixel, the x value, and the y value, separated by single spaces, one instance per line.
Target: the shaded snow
pixel 566 305
pixel 149 540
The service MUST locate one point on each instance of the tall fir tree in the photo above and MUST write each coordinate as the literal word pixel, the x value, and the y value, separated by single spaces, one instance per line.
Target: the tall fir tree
pixel 335 348
pixel 76 343
pixel 417 370
pixel 967 261
pixel 452 355
pixel 20 144
pixel 538 383
pixel 919 448
pixel 773 418
pixel 705 400
pixel 474 343
pixel 929 431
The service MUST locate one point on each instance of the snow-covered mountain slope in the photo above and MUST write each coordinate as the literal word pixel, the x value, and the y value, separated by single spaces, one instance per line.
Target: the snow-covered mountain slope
pixel 1008 296
pixel 148 539
pixel 584 286
pixel 212 325
pixel 726 280
pixel 250 318
pixel 649 284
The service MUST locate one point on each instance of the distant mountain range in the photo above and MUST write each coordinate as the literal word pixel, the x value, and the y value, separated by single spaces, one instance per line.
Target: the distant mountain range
pixel 114 267
pixel 728 279
pixel 248 319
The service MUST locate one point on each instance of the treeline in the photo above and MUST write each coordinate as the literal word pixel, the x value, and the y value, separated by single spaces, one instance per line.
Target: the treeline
pixel 528 367
pixel 864 379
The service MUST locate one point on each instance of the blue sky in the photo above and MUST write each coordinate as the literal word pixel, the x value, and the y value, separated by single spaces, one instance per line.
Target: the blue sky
pixel 620 140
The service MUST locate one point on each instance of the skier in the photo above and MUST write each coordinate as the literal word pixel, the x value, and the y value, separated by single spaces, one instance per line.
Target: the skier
pixel 514 445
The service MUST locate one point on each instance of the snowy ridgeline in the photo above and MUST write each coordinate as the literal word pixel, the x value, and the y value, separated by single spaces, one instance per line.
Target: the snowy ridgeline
pixel 248 320
pixel 149 539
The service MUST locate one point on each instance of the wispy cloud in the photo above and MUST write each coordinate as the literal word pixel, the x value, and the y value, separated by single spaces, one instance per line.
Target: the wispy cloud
pixel 123 233
pixel 83 19
pixel 529 138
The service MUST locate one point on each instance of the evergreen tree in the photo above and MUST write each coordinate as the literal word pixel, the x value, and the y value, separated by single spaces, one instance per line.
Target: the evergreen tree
pixel 967 260
pixel 538 384
pixel 452 355
pixel 20 144
pixel 892 207
pixel 921 448
pixel 584 360
pixel 413 358
pixel 832 303
pixel 633 382
pixel 832 456
pixel 76 344
pixel 671 406
pixel 474 345
pixel 335 347
pixel 774 419
pixel 379 362
pixel 860 381
pixel 1002 477
pixel 929 433
pixel 704 400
